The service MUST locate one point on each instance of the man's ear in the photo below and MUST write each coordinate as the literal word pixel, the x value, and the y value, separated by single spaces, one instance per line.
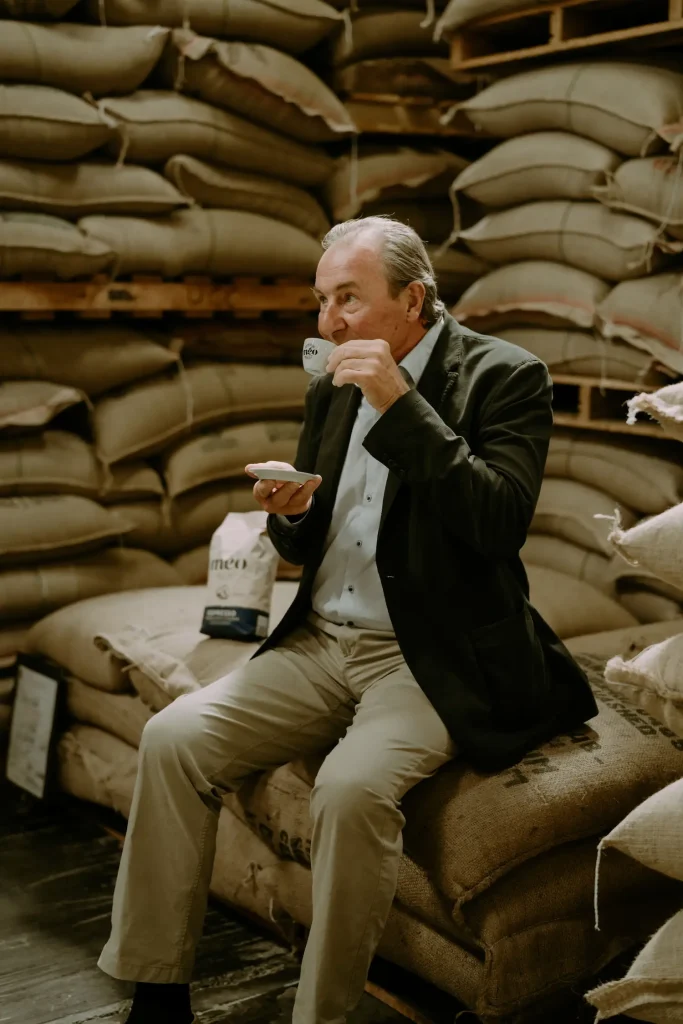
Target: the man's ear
pixel 415 296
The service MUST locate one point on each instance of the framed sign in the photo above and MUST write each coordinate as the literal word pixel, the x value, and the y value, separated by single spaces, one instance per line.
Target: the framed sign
pixel 37 716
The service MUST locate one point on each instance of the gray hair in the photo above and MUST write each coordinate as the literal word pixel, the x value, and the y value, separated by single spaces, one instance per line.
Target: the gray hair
pixel 404 255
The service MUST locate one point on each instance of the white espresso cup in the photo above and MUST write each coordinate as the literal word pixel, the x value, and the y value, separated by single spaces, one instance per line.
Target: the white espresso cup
pixel 316 352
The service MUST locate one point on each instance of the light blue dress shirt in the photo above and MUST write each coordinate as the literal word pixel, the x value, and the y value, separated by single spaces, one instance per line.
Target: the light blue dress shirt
pixel 347 588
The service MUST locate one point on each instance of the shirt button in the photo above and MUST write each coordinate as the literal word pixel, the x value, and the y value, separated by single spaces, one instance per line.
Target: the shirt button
pixel 350 590
pixel 359 543
pixel 368 497
pixel 350 623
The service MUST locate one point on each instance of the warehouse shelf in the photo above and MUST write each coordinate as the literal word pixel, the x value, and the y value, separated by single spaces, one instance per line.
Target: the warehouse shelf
pixel 590 403
pixel 153 296
pixel 566 27
pixel 408 115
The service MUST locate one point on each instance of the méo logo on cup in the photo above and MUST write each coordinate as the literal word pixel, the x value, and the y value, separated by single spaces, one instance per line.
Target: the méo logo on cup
pixel 316 352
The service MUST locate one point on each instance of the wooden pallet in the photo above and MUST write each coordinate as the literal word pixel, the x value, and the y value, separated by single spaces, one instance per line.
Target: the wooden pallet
pixel 407 115
pixel 199 297
pixel 566 27
pixel 589 403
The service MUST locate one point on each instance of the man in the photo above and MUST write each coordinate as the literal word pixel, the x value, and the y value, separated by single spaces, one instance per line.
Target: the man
pixel 411 639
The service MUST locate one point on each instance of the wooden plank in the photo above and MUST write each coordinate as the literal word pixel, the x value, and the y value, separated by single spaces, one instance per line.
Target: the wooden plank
pixel 599 405
pixel 567 26
pixel 153 296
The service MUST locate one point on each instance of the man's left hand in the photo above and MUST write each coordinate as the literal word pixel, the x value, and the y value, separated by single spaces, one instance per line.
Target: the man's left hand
pixel 371 366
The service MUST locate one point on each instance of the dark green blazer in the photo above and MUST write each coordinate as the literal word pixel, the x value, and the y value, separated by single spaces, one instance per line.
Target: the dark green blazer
pixel 466 452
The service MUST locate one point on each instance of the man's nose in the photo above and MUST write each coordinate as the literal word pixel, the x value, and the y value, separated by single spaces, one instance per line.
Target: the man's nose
pixel 330 321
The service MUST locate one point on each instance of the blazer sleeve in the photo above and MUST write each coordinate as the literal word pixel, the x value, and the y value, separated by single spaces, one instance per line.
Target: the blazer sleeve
pixel 487 498
pixel 292 535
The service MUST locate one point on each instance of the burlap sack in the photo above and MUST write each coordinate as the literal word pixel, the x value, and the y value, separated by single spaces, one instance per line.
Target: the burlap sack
pixel 455 271
pixel 33 403
pixel 647 313
pixel 35 10
pixel 50 527
pixel 149 522
pixel 591 98
pixel 651 990
pixel 96 766
pixel 77 190
pixel 261 340
pixel 570 560
pixel 532 292
pixel 195 516
pixel 35 243
pixel 221 187
pixel 12 641
pixel 32 591
pixel 121 714
pixel 648 607
pixel 543 165
pixel 654 543
pixel 567 508
pixel 154 630
pixel 218 243
pixel 629 472
pixel 665 406
pixel 650 834
pixel 579 353
pixel 258 82
pixel 396 173
pixel 131 481
pixel 150 416
pixel 622 642
pixel 92 357
pixel 291 25
pixel 41 123
pixel 571 606
pixel 430 77
pixel 54 462
pixel 615 246
pixel 80 58
pixel 459 12
pixel 394 33
pixel 634 576
pixel 224 453
pixel 154 125
pixel 650 187
pixel 432 219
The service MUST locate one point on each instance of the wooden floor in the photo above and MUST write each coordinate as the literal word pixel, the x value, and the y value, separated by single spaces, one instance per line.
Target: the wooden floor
pixel 57 872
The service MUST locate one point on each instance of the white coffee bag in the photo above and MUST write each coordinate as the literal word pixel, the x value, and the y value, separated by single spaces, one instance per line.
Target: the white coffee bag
pixel 242 569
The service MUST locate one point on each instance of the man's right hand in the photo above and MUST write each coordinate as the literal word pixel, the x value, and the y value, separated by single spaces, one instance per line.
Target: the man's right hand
pixel 285 499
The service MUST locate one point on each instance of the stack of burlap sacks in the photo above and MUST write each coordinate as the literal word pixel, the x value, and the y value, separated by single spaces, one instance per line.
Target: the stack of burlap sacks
pixel 500 917
pixel 585 223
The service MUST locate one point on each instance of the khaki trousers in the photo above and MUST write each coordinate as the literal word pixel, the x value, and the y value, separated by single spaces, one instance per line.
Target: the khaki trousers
pixel 323 684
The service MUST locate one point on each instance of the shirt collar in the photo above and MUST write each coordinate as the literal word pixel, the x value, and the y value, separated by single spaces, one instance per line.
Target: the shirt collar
pixel 416 360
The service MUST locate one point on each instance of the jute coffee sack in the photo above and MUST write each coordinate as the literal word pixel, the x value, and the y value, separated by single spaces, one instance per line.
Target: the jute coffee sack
pixel 291 25
pixel 394 33
pixel 49 527
pixel 131 481
pixel 29 592
pixel 152 415
pixel 616 246
pixel 96 766
pixel 579 352
pixel 391 173
pixel 155 124
pixel 35 10
pixel 650 187
pixel 223 454
pixel 649 833
pixel 120 714
pixel 37 244
pixel 33 403
pixel 432 219
pixel 80 58
pixel 52 462
pixel 651 990
pixel 591 98
pixel 533 292
pixel 459 12
pixel 431 77
pixel 654 543
pixel 648 607
pixel 455 270
pixel 77 190
pixel 569 559
pixel 567 508
pixel 629 470
pixel 258 82
pixel 622 642
pixel 634 576
pixel 665 406
pixel 214 242
pixel 647 313
pixel 195 515
pixel 151 529
pixel 571 606
pixel 262 341
pixel 41 123
pixel 92 357
pixel 12 641
pixel 542 165
pixel 223 188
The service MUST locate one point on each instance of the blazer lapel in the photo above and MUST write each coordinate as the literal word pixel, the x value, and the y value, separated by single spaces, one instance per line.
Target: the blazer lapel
pixel 439 377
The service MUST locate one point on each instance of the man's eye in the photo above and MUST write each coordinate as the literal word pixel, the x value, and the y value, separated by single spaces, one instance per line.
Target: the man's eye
pixel 322 300
pixel 349 297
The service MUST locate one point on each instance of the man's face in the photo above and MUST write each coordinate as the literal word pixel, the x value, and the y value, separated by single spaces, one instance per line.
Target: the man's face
pixel 355 302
